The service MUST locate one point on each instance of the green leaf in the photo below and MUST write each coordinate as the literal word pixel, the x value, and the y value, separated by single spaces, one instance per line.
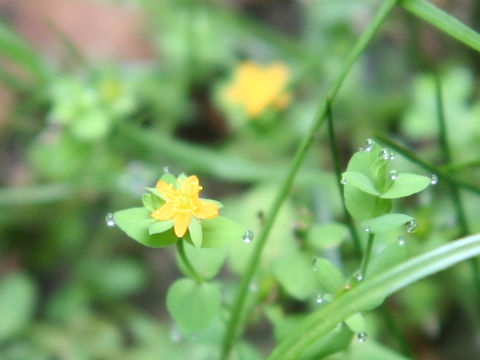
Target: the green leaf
pixel 405 185
pixel 169 179
pixel 17 303
pixel 195 232
pixel 356 323
pixel 192 305
pixel 361 182
pixel 386 223
pixel 326 236
pixel 160 226
pixel 295 274
pixel 219 231
pixel 364 206
pixel 388 256
pixel 329 275
pixel 360 162
pixel 147 201
pixel 443 21
pixel 374 288
pixel 206 261
pixel 135 222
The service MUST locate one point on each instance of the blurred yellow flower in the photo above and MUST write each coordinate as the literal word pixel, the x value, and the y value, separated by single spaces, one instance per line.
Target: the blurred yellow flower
pixel 257 87
pixel 182 203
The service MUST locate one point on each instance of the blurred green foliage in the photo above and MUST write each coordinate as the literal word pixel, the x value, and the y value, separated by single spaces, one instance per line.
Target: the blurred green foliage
pixel 83 141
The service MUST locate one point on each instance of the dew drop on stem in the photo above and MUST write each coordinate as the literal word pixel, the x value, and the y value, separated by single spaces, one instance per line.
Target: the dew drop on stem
pixel 166 170
pixel 109 220
pixel 314 264
pixel 367 229
pixel 248 236
pixel 362 337
pixel 343 180
pixel 433 179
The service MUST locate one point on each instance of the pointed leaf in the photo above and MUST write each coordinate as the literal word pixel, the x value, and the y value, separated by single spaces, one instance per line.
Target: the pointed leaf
pixel 406 184
pixel 160 226
pixel 195 231
pixel 386 223
pixel 361 182
pixel 135 222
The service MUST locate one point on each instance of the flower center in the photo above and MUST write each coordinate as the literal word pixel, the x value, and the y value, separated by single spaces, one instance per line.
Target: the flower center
pixel 185 202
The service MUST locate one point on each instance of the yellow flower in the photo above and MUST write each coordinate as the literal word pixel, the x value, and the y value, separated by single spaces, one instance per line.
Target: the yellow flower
pixel 257 87
pixel 182 203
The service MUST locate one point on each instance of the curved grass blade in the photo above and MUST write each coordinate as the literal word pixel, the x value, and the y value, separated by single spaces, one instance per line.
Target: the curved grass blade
pixel 374 290
pixel 443 21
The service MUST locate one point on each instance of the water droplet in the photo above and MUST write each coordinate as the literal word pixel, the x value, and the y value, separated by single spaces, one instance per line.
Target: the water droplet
pixel 392 156
pixel 319 299
pixel 314 264
pixel 393 175
pixel 343 181
pixel 433 179
pixel 368 145
pixel 166 170
pixel 362 337
pixel 248 236
pixel 401 241
pixel 175 335
pixel 194 337
pixel 411 226
pixel 367 229
pixel 358 276
pixel 253 287
pixel 109 220
pixel 384 154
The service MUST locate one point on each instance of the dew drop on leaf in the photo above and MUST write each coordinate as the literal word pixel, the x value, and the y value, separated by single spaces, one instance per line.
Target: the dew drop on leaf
pixel 166 170
pixel 343 180
pixel 314 264
pixel 358 276
pixel 368 145
pixel 433 179
pixel 362 337
pixel 411 226
pixel 319 299
pixel 401 241
pixel 367 229
pixel 248 236
pixel 393 175
pixel 109 220
pixel 384 154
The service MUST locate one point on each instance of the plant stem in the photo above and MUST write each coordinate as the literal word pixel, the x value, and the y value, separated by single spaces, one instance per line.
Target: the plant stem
pixel 366 255
pixel 338 175
pixel 187 263
pixel 282 194
pixel 443 175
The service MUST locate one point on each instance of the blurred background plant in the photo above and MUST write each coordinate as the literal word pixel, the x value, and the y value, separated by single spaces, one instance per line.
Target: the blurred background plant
pixel 98 98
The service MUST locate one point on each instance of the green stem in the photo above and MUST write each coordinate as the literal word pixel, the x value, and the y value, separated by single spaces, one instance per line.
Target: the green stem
pixel 461 166
pixel 442 175
pixel 284 190
pixel 338 175
pixel 366 256
pixel 187 263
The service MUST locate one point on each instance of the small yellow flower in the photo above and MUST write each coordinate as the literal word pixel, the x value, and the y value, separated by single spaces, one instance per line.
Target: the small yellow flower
pixel 183 203
pixel 257 87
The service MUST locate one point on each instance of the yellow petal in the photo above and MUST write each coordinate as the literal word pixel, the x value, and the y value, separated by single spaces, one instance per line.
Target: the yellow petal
pixel 181 222
pixel 206 210
pixel 167 190
pixel 165 212
pixel 191 186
